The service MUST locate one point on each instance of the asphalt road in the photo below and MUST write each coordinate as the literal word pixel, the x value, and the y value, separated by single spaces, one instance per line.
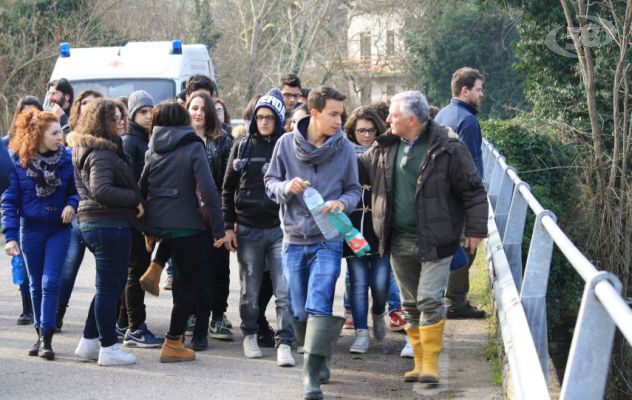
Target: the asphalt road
pixel 221 372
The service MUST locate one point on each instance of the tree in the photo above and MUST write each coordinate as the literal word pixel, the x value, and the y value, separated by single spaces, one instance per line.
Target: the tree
pixel 444 37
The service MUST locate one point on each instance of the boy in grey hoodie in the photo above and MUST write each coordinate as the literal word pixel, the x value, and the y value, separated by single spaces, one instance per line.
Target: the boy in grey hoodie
pixel 315 154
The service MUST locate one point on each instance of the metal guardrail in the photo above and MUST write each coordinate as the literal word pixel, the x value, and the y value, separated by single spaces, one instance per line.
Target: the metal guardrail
pixel 521 298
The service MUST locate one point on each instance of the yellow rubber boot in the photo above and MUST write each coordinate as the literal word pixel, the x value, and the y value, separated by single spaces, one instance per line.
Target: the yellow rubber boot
pixel 151 279
pixel 174 351
pixel 431 337
pixel 418 354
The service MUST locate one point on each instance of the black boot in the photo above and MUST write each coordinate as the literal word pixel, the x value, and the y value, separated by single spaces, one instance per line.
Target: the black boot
pixel 26 318
pixel 46 349
pixel 35 349
pixel 59 318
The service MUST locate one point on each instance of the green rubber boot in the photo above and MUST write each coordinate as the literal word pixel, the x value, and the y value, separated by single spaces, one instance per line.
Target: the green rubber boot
pixel 320 336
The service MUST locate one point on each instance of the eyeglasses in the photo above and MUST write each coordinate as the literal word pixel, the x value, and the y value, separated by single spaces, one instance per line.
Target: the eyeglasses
pixel 291 96
pixel 366 131
pixel 261 118
pixel 406 157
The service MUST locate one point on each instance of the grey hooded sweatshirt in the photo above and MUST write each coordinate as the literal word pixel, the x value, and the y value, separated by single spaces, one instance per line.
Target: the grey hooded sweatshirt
pixel 332 169
pixel 175 167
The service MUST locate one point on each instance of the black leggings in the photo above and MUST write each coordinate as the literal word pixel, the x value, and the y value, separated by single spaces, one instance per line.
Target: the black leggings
pixel 264 298
pixel 190 256
pixel 220 282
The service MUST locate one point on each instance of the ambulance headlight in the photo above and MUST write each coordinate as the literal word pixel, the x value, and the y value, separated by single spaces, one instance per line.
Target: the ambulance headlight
pixel 176 47
pixel 64 50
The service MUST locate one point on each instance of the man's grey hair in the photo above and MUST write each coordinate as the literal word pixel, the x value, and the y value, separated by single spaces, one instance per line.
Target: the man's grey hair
pixel 414 103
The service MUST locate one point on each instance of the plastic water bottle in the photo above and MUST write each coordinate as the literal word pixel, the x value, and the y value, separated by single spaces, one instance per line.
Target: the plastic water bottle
pixel 17 269
pixel 354 238
pixel 315 204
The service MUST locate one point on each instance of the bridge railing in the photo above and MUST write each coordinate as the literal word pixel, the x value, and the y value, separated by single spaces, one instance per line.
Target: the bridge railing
pixel 521 296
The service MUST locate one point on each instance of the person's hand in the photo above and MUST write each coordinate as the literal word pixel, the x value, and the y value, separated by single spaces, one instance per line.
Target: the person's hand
pixel 150 243
pixel 472 243
pixel 219 242
pixel 141 210
pixel 67 214
pixel 230 241
pixel 297 186
pixel 12 248
pixel 333 206
pixel 56 109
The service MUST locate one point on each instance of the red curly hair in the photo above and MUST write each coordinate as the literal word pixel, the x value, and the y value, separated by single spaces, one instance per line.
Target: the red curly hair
pixel 29 129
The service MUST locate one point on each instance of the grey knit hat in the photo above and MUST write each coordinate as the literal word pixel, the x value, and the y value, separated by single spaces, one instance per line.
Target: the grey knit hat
pixel 138 100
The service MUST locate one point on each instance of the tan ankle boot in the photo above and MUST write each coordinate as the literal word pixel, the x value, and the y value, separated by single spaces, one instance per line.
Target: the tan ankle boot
pixel 415 343
pixel 151 279
pixel 174 351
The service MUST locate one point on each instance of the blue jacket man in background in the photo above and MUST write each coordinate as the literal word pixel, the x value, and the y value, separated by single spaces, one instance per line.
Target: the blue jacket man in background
pixel 460 116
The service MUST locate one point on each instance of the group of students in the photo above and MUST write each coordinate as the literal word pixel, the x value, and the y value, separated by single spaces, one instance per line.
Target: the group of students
pixel 143 186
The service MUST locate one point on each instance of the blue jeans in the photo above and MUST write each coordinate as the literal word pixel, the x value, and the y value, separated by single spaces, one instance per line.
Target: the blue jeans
pixel 369 271
pixel 74 257
pixel 394 301
pixel 311 272
pixel 44 251
pixel 25 291
pixel 111 247
pixel 260 250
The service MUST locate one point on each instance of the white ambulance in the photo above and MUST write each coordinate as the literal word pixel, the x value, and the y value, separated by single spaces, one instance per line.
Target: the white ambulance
pixel 160 68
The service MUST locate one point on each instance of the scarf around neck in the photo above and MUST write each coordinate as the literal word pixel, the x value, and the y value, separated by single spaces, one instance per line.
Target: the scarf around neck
pixel 310 154
pixel 43 170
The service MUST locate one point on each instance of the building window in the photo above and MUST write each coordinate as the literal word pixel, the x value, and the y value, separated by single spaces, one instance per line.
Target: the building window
pixel 365 45
pixel 366 94
pixel 390 91
pixel 390 43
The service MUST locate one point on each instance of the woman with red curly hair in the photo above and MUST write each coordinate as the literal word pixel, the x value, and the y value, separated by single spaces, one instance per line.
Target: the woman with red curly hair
pixel 39 204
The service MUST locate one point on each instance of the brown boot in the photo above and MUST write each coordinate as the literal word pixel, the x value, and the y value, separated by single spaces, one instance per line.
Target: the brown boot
pixel 151 279
pixel 174 351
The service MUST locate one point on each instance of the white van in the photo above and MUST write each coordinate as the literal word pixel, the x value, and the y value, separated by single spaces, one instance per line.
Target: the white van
pixel 160 68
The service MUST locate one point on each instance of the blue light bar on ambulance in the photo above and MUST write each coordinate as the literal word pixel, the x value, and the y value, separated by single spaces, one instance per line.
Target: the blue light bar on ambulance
pixel 176 47
pixel 64 50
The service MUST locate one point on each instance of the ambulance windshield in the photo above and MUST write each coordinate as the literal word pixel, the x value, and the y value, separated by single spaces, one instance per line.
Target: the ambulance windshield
pixel 160 89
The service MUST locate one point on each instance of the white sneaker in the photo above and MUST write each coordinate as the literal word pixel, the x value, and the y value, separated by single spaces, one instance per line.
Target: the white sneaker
pixel 284 356
pixel 361 343
pixel 88 349
pixel 379 327
pixel 251 348
pixel 113 355
pixel 407 351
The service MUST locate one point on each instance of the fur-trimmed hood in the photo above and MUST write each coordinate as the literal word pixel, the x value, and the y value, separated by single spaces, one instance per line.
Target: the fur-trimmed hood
pixel 82 145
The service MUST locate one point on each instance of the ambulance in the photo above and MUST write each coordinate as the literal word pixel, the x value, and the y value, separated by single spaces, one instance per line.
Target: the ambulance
pixel 160 68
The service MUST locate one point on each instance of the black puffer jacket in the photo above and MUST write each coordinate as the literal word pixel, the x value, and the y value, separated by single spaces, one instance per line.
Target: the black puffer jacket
pixel 244 198
pixel 104 179
pixel 449 197
pixel 176 165
pixel 135 143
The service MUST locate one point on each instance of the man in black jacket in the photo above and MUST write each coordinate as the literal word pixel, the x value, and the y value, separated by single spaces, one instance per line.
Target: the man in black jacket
pixel 250 213
pixel 132 313
pixel 419 165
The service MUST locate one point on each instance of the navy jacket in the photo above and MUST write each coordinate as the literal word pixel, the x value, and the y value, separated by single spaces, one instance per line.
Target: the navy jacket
pixel 461 118
pixel 6 166
pixel 20 204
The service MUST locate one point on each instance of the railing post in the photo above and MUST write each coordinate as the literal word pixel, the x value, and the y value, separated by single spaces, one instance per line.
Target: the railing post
pixel 494 184
pixel 514 232
pixel 503 202
pixel 589 358
pixel 488 167
pixel 534 286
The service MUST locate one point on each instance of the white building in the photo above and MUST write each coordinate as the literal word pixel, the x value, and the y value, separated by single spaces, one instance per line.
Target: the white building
pixel 374 58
